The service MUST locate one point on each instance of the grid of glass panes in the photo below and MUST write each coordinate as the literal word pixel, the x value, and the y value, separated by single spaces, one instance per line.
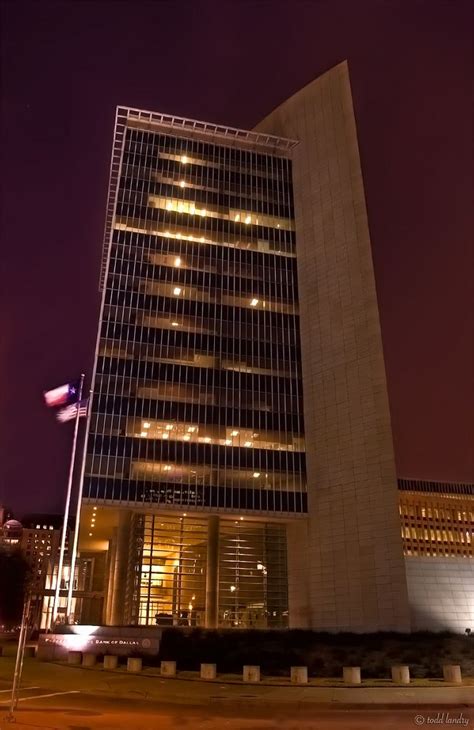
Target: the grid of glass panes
pixel 198 383
pixel 172 571
pixel 253 581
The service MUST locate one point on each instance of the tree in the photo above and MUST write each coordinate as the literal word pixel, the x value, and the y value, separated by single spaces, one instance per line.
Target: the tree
pixel 14 577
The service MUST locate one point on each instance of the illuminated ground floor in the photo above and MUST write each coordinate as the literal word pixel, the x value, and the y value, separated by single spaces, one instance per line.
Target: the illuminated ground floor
pixel 168 568
pixel 182 570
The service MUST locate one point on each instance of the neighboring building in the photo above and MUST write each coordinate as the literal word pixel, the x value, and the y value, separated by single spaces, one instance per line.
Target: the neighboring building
pixel 438 536
pixel 5 514
pixel 40 544
pixel 240 468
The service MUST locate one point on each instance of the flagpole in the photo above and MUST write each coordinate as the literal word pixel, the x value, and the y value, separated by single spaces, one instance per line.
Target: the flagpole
pixel 78 510
pixel 66 509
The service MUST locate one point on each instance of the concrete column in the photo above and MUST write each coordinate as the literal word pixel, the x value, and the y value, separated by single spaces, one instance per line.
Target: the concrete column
pixel 119 583
pixel 110 578
pixel 212 573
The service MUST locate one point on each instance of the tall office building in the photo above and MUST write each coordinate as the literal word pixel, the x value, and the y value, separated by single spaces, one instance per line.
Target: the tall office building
pixel 240 467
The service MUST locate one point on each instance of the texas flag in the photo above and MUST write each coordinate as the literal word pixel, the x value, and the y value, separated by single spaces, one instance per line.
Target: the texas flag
pixel 62 396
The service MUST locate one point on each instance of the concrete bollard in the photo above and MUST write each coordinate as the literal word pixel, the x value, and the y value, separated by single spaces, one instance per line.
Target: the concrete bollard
pixel 134 664
pixel 88 659
pixel 168 669
pixel 251 673
pixel 74 657
pixel 110 661
pixel 351 675
pixel 401 674
pixel 208 671
pixel 452 673
pixel 299 675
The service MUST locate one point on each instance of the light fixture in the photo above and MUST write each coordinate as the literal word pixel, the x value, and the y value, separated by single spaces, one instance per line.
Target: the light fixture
pixel 165 436
pixel 182 184
pixel 186 437
pixel 228 442
pixel 169 206
pixel 177 291
pixel 90 534
pixel 256 474
pixel 177 261
pixel 241 519
pixel 184 159
pixel 237 218
pixel 167 467
pixel 180 207
pixel 174 324
pixel 247 443
pixel 203 213
pixel 191 429
pixel 144 434
pixel 233 589
pixel 248 219
pixel 278 226
pixel 253 302
pixel 169 427
pixel 234 433
pixel 207 440
pixel 185 514
pixel 259 566
pixel 146 424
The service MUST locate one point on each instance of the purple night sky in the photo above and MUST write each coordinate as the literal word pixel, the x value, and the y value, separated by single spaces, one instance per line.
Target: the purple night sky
pixel 66 65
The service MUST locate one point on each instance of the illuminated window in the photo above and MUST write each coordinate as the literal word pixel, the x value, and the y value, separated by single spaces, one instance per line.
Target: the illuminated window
pixel 177 261
pixel 177 291
pixel 254 302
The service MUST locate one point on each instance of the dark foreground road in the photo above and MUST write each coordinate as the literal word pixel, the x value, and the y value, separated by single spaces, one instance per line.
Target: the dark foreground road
pixel 62 697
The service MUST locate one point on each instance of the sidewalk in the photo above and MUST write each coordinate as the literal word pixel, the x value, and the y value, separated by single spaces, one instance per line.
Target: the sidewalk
pixel 188 689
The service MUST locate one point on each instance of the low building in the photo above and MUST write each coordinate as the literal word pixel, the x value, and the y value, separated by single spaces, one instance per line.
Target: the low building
pixel 437 523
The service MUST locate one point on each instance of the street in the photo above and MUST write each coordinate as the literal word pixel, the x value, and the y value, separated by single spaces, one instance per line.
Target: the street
pixel 62 697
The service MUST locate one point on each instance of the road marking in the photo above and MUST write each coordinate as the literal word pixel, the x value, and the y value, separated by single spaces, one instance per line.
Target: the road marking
pixel 23 689
pixel 40 697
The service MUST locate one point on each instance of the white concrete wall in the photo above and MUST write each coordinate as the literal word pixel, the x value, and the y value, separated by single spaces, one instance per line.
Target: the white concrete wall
pixel 441 593
pixel 354 559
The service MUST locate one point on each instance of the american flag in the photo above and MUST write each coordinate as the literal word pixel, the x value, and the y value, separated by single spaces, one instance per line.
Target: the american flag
pixel 70 412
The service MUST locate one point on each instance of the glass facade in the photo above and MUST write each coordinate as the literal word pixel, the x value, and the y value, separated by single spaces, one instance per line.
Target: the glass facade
pixel 198 382
pixel 197 398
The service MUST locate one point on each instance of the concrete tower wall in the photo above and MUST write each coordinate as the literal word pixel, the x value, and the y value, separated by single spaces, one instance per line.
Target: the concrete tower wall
pixel 353 551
